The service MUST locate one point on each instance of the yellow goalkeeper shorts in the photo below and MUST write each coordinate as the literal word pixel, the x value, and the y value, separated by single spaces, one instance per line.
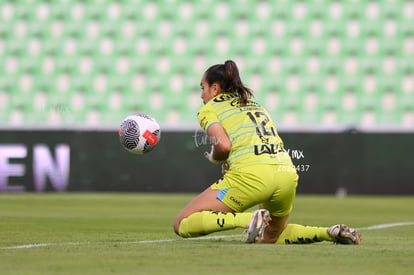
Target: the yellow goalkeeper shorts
pixel 272 186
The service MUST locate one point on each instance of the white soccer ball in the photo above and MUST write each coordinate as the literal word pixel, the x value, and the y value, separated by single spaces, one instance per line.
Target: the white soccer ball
pixel 139 133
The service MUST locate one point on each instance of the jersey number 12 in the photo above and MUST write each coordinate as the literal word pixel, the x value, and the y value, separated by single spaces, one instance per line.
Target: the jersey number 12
pixel 260 119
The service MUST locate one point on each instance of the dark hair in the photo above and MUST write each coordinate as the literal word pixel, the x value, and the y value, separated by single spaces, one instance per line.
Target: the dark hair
pixel 228 77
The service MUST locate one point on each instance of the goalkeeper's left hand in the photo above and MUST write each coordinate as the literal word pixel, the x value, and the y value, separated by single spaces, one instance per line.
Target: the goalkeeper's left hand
pixel 209 156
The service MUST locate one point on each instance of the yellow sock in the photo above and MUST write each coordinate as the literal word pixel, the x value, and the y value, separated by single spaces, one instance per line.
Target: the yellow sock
pixel 206 222
pixel 300 234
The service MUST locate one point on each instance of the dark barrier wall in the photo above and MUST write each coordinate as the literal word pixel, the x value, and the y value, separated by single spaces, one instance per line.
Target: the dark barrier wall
pixel 328 163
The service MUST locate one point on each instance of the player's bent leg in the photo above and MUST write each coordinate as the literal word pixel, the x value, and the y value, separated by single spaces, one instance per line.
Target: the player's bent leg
pixel 206 222
pixel 262 229
pixel 206 214
pixel 205 201
pixel 300 234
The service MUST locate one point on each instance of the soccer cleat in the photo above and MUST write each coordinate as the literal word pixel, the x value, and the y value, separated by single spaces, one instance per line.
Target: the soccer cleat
pixel 256 227
pixel 342 234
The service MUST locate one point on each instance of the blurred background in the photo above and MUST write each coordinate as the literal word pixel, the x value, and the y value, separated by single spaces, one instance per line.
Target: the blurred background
pixel 320 63
pixel 337 77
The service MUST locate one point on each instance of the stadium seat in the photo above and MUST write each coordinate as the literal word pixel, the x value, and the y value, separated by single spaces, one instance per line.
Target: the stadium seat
pixel 316 62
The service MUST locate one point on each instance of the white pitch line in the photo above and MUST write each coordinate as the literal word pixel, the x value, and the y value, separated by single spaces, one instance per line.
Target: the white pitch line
pixel 27 246
pixel 149 241
pixel 386 225
pixel 215 237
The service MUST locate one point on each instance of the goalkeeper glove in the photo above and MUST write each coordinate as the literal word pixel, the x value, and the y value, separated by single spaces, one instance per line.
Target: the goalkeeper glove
pixel 209 156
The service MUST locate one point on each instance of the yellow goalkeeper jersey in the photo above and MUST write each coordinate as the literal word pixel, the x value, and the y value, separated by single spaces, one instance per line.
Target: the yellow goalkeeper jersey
pixel 250 128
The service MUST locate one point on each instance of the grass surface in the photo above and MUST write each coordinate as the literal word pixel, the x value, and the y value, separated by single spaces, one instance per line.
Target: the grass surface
pixel 132 234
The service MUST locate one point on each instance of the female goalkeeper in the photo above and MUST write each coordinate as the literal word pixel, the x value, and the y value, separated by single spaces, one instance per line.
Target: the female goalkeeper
pixel 258 171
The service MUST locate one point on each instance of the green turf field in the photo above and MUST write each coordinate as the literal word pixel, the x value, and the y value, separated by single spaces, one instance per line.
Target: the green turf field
pixel 132 234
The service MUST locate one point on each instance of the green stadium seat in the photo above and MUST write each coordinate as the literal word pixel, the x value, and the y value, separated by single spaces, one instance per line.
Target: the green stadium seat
pixel 309 66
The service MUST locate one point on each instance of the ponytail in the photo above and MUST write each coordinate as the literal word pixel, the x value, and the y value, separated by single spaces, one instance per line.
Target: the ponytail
pixel 228 77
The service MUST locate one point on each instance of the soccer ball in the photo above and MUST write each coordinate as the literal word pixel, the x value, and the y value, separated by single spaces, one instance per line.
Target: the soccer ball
pixel 139 133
